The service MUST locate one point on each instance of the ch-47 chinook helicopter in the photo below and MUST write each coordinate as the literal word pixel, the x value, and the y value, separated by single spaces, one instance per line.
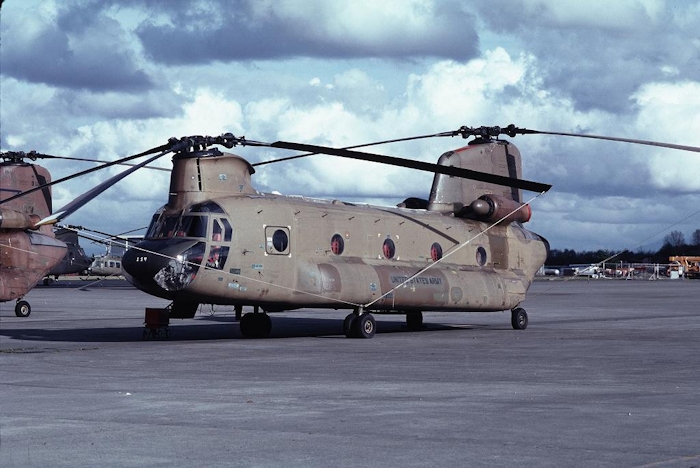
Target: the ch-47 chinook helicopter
pixel 218 240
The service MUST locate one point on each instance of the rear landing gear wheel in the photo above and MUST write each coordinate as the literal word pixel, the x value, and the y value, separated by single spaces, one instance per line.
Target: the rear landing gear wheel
pixel 518 319
pixel 23 309
pixel 364 326
pixel 359 326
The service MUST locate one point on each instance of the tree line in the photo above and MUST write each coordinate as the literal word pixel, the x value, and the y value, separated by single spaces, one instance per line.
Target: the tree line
pixel 674 244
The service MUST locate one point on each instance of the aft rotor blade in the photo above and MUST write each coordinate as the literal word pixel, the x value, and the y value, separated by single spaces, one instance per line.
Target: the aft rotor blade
pixel 694 149
pixel 95 191
pixel 429 167
pixel 164 148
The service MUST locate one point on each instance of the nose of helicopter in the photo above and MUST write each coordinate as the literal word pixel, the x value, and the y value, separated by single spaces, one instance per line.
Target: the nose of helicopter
pixel 163 266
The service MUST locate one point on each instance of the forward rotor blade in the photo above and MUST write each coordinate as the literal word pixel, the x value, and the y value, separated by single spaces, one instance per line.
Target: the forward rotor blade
pixel 429 167
pixel 164 148
pixel 363 145
pixel 68 158
pixel 95 191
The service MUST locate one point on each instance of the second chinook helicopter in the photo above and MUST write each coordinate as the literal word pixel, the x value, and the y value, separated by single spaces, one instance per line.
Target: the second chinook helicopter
pixel 27 252
pixel 29 248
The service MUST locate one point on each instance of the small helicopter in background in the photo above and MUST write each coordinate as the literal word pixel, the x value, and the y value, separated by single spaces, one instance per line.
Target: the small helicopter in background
pixel 109 264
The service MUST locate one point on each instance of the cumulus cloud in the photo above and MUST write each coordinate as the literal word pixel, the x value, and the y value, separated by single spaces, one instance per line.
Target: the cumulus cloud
pixel 599 53
pixel 42 46
pixel 660 106
pixel 263 30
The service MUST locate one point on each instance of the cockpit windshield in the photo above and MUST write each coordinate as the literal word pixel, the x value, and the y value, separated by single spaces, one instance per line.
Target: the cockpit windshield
pixel 177 226
pixel 192 223
pixel 206 207
pixel 192 226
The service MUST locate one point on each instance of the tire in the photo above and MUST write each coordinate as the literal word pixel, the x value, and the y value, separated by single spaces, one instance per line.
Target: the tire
pixel 255 325
pixel 23 309
pixel 364 326
pixel 348 328
pixel 264 326
pixel 247 325
pixel 518 319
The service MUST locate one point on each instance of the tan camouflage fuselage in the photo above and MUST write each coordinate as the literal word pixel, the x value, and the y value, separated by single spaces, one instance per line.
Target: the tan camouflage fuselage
pixel 282 253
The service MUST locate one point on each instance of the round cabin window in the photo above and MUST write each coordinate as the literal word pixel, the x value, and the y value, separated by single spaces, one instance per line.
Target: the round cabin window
pixel 280 241
pixel 481 257
pixel 389 248
pixel 436 251
pixel 337 244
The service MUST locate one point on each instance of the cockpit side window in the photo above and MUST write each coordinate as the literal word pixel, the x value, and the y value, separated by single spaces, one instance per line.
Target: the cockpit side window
pixel 228 230
pixel 220 232
pixel 217 257
pixel 217 232
pixel 150 233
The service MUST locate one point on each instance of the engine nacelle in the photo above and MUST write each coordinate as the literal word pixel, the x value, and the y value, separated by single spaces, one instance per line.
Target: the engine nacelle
pixel 11 219
pixel 492 208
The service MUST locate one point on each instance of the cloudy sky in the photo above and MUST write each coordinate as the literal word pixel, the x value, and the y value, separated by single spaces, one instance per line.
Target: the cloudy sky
pixel 106 79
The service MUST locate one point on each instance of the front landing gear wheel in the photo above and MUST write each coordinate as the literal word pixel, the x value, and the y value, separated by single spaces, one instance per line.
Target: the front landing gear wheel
pixel 23 309
pixel 518 319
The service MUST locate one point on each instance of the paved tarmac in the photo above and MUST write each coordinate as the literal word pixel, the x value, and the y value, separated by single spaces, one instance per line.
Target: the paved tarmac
pixel 607 374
